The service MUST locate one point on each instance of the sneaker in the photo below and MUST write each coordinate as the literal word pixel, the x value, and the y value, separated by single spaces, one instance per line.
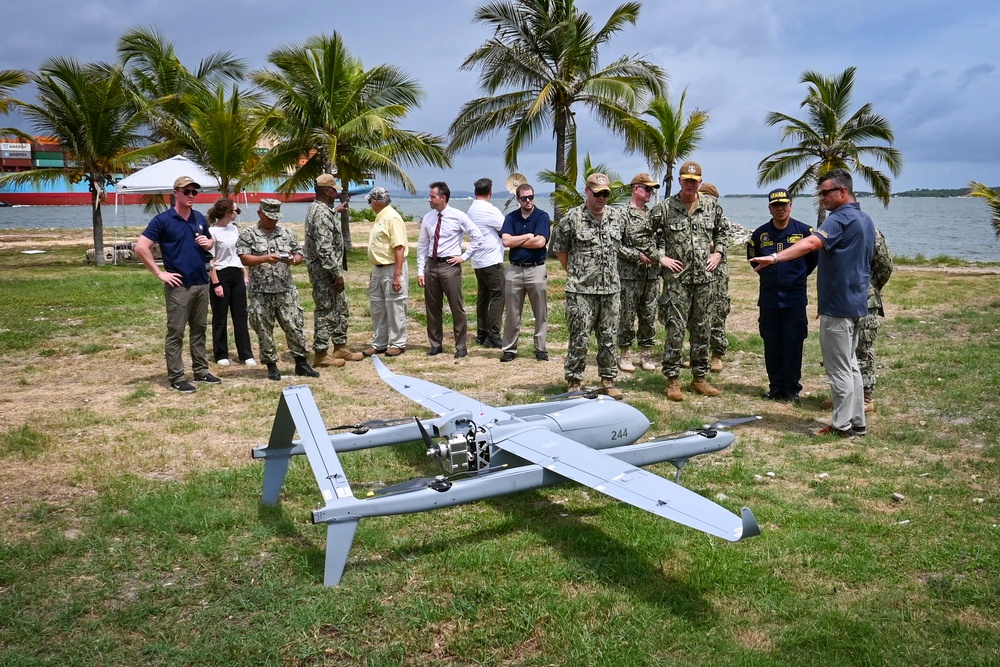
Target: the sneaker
pixel 208 378
pixel 508 356
pixel 859 431
pixel 183 386
pixel 222 362
pixel 846 434
pixel 541 356
pixel 250 362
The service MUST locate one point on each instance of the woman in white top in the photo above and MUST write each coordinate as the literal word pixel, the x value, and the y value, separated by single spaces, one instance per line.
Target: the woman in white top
pixel 228 285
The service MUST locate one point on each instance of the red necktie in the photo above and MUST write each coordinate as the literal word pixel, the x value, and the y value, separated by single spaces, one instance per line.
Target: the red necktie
pixel 437 235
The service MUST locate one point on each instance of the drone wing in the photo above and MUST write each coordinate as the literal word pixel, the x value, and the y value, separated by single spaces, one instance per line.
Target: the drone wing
pixel 628 483
pixel 439 400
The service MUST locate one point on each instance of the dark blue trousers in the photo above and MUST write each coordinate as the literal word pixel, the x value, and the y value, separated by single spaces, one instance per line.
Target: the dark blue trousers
pixel 783 331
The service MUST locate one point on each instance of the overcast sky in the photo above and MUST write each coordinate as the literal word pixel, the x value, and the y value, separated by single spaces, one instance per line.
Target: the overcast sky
pixel 931 68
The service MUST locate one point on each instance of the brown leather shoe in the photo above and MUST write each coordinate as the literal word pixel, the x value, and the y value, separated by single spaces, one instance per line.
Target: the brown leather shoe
pixel 700 385
pixel 371 351
pixel 395 351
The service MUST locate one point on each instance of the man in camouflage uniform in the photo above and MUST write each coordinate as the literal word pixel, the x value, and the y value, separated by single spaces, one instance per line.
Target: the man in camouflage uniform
pixel 269 250
pixel 640 276
pixel 881 270
pixel 694 237
pixel 721 302
pixel 324 247
pixel 586 242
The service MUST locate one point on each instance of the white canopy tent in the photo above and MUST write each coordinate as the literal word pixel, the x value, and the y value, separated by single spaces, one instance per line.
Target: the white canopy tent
pixel 159 178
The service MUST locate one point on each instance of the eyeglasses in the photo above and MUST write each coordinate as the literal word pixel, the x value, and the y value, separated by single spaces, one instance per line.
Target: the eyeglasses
pixel 190 192
pixel 823 193
pixel 602 193
pixel 526 198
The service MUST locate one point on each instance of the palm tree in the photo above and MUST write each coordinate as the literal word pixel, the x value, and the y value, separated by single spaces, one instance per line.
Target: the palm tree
pixel 88 109
pixel 342 118
pixel 9 80
pixel 992 198
pixel 566 195
pixel 221 133
pixel 668 140
pixel 545 55
pixel 157 75
pixel 830 139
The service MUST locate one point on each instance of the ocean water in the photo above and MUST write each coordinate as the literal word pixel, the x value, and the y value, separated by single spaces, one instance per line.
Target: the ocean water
pixel 957 227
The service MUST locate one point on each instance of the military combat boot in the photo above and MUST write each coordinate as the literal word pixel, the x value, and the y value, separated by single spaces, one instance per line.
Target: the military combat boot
pixel 322 358
pixel 716 366
pixel 341 352
pixel 302 367
pixel 646 359
pixel 869 402
pixel 700 385
pixel 272 372
pixel 572 385
pixel 625 359
pixel 609 388
pixel 673 390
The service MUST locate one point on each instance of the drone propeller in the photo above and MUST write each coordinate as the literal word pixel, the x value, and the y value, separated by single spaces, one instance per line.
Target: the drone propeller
pixel 363 427
pixel 709 429
pixel 586 393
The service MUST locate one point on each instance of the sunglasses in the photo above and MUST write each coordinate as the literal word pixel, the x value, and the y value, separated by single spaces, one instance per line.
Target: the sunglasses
pixel 238 211
pixel 190 192
pixel 648 188
pixel 823 193
pixel 526 198
pixel 602 193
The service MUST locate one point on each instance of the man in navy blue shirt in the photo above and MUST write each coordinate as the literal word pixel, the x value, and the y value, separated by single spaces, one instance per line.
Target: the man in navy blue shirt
pixel 846 242
pixel 526 232
pixel 782 322
pixel 184 238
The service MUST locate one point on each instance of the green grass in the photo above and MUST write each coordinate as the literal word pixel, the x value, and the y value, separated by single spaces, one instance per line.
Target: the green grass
pixel 128 546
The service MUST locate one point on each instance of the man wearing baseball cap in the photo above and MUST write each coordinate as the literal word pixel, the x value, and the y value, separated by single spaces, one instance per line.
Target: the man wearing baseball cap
pixel 640 276
pixel 694 235
pixel 269 250
pixel 389 285
pixel 782 301
pixel 586 241
pixel 324 251
pixel 184 239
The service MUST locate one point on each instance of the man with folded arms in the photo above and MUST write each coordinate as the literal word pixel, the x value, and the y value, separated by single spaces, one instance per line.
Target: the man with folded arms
pixel 388 288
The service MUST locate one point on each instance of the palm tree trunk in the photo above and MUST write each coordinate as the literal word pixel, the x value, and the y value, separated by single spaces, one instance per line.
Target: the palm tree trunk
pixel 98 224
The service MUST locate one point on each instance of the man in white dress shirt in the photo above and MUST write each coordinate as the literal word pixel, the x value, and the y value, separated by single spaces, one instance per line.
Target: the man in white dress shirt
pixel 488 265
pixel 439 266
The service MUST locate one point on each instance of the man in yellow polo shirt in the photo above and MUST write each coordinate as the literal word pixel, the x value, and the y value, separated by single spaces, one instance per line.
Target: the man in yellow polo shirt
pixel 388 289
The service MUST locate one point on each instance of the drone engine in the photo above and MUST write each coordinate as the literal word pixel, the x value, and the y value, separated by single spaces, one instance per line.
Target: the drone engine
pixel 462 451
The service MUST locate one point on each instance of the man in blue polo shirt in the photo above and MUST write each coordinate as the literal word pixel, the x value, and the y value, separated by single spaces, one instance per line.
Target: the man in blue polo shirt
pixel 526 232
pixel 846 243
pixel 183 236
pixel 782 323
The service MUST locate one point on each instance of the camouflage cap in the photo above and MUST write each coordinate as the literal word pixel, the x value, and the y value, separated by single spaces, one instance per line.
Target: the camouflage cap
pixel 644 179
pixel 691 170
pixel 380 195
pixel 598 182
pixel 183 181
pixel 271 208
pixel 709 189
pixel 327 181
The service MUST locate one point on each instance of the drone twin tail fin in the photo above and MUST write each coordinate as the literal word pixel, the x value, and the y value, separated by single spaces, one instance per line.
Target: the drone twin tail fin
pixel 297 410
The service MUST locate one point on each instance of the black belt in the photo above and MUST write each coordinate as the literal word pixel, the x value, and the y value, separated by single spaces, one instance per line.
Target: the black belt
pixel 439 259
pixel 527 264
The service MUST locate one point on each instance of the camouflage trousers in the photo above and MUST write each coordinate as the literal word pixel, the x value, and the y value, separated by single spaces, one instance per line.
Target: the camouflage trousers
pixel 866 350
pixel 284 308
pixel 638 299
pixel 586 312
pixel 331 310
pixel 721 306
pixel 686 307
